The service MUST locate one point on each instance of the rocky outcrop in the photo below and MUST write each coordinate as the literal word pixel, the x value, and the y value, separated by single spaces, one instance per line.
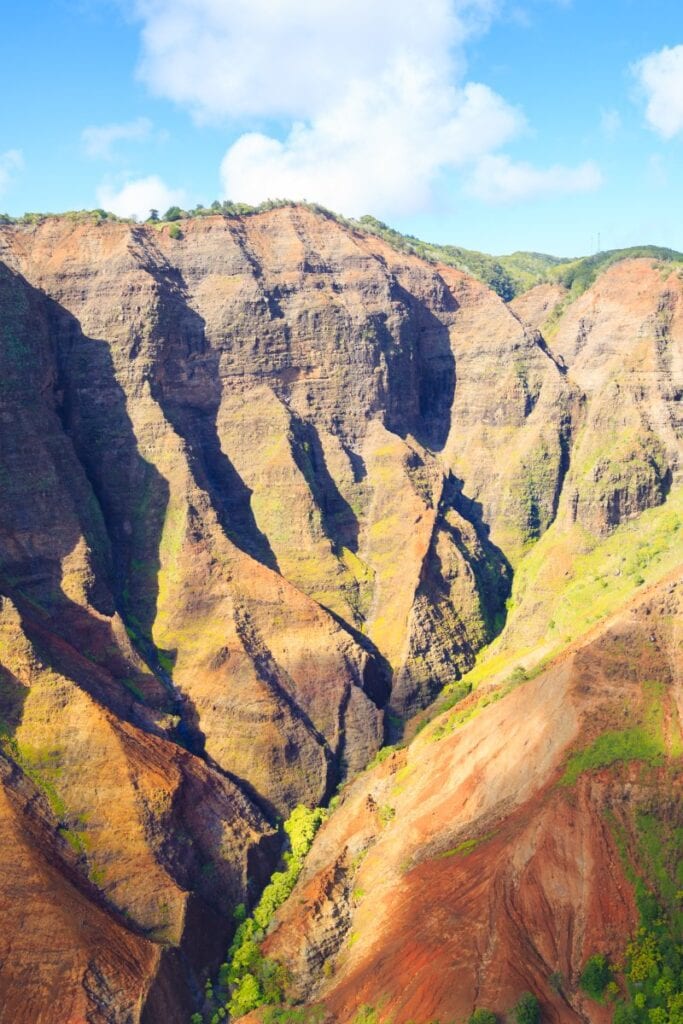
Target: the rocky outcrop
pixel 622 341
pixel 540 305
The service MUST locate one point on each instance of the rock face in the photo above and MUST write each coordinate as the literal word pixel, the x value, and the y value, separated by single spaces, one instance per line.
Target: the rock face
pixel 263 489
pixel 479 863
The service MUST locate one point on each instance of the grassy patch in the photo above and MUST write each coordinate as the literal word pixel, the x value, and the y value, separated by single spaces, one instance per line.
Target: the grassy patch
pixel 643 742
pixel 611 748
pixel 386 814
pixel 570 581
pixel 469 844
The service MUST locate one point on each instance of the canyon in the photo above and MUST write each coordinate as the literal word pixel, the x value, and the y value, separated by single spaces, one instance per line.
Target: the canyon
pixel 290 516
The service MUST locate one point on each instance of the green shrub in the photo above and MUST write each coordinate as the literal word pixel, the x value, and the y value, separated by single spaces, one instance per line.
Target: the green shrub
pixel 386 814
pixel 637 744
pixel 246 996
pixel 366 1015
pixel 556 981
pixel 174 231
pixel 482 1017
pixel 278 1015
pixel 527 1009
pixel 596 976
pixel 174 213
pixel 382 754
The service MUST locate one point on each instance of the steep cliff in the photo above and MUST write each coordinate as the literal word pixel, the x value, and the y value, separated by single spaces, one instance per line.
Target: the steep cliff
pixel 265 489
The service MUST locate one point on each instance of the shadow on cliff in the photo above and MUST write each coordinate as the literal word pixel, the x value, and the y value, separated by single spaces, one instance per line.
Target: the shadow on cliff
pixel 69 411
pixel 492 572
pixel 73 475
pixel 185 381
pixel 48 505
pixel 421 370
pixel 339 521
pixel 12 700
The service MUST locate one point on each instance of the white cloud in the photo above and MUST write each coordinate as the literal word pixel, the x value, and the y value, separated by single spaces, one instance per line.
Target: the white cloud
pixel 660 76
pixel 293 58
pixel 498 179
pixel 380 149
pixel 99 140
pixel 136 198
pixel 366 101
pixel 11 161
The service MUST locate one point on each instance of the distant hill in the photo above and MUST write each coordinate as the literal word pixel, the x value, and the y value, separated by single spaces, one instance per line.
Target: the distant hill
pixel 517 273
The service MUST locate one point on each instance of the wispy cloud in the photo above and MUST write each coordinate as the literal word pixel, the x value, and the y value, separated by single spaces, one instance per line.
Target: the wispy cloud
pixel 11 161
pixel 498 179
pixel 137 197
pixel 99 140
pixel 610 123
pixel 660 76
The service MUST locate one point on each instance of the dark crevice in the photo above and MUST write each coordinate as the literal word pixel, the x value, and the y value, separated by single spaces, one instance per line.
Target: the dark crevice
pixel 493 573
pixel 377 672
pixel 215 474
pixel 272 675
pixel 420 368
pixel 338 518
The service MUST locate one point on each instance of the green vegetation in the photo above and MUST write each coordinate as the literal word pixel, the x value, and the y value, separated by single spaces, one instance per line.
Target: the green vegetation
pixel 382 754
pixel 482 1017
pixel 40 766
pixel 469 844
pixel 79 216
pixel 578 275
pixel 366 1015
pixel 612 747
pixel 527 1009
pixel 518 676
pixel 557 598
pixel 643 742
pixel 277 1015
pixel 248 979
pixel 654 957
pixel 386 814
pixel 596 976
pixel 514 274
pixel 556 981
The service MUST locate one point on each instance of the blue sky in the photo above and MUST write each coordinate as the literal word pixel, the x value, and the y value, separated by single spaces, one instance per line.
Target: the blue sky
pixel 494 124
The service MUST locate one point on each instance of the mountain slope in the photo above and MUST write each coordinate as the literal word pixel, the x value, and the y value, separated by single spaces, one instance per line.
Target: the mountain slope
pixel 492 856
pixel 265 490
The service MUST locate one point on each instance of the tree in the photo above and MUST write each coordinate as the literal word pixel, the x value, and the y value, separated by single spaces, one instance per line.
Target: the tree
pixel 173 213
pixel 153 215
pixel 246 997
pixel 527 1010
pixel 482 1016
pixel 596 976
